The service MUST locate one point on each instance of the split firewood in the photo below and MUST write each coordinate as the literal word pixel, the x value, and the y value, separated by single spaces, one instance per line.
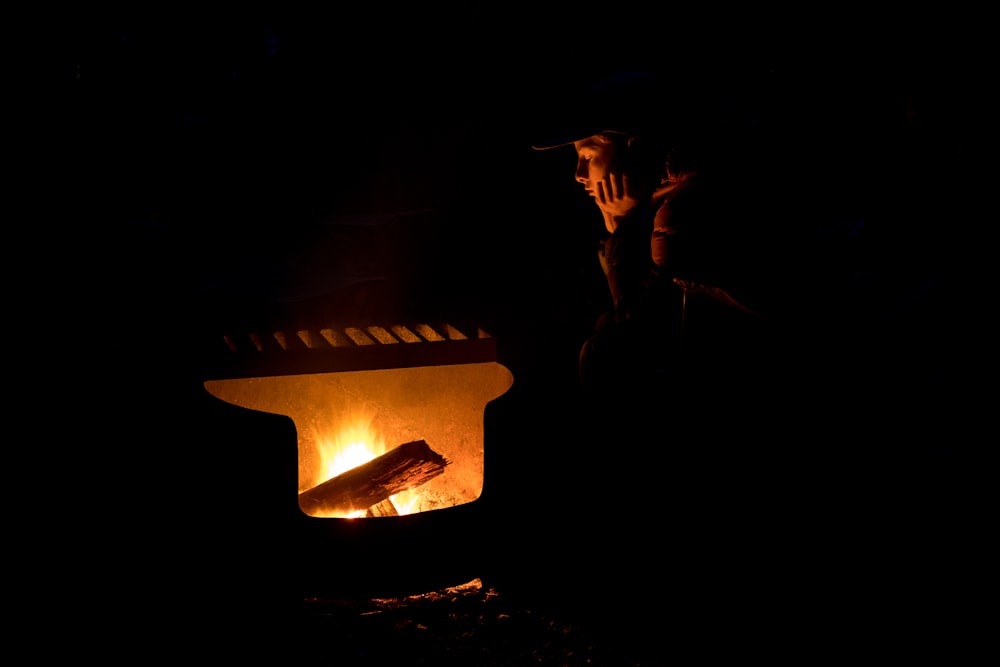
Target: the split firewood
pixel 384 508
pixel 405 467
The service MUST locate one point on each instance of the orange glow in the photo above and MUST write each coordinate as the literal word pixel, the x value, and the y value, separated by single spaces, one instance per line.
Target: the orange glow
pixel 357 443
pixel 346 419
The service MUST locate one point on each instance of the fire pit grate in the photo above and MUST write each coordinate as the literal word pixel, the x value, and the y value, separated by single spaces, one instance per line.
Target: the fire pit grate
pixel 293 351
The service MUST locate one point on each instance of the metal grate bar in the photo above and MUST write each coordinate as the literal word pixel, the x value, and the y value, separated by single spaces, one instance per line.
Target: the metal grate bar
pixel 295 351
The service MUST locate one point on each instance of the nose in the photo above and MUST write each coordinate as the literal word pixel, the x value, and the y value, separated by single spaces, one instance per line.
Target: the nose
pixel 581 171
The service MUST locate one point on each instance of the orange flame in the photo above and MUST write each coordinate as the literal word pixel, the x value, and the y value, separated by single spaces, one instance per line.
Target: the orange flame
pixel 357 443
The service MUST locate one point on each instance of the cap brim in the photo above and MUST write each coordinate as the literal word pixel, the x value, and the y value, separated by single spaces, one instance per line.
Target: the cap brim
pixel 570 139
pixel 547 145
pixel 563 135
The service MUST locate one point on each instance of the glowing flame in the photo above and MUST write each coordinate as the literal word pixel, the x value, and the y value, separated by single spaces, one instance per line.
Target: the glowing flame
pixel 357 443
pixel 352 455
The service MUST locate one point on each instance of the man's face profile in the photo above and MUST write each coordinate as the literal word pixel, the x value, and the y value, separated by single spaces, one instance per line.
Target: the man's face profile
pixel 596 156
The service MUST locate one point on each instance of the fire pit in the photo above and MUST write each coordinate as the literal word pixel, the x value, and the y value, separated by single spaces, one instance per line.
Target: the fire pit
pixel 389 421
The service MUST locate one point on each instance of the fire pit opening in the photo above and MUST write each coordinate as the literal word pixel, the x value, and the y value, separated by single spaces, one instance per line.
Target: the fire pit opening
pixel 379 441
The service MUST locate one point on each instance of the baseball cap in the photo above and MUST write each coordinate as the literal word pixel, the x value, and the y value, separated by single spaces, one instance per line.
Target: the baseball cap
pixel 625 103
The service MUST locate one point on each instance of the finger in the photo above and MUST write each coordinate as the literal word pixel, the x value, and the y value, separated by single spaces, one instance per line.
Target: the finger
pixel 612 186
pixel 620 185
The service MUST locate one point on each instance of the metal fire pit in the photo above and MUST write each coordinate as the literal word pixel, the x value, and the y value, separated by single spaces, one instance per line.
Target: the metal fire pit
pixel 448 372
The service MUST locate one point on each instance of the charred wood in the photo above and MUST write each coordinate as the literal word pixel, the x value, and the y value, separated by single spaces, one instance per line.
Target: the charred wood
pixel 405 467
pixel 384 508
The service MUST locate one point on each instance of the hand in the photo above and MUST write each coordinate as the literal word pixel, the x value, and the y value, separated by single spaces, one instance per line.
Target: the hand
pixel 616 199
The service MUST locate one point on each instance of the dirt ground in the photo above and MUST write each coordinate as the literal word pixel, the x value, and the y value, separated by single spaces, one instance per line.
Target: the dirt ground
pixel 470 624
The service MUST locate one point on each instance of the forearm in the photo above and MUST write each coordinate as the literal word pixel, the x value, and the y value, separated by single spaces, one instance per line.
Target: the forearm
pixel 626 261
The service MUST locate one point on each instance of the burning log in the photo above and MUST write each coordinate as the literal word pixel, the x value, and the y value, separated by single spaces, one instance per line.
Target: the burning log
pixel 384 508
pixel 400 469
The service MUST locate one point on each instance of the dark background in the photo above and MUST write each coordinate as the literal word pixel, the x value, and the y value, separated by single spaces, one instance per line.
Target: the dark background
pixel 205 157
pixel 227 136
